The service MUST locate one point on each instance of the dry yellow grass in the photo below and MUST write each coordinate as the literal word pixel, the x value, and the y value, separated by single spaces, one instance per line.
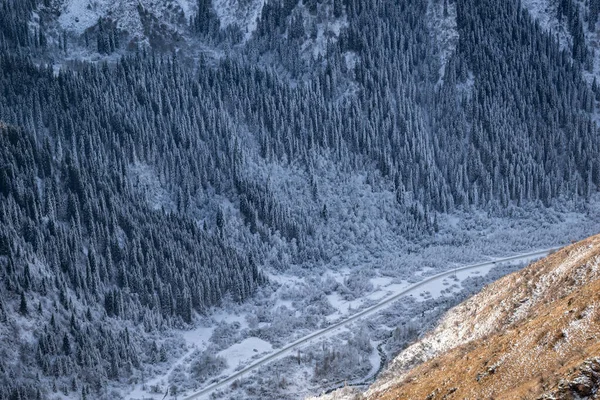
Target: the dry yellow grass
pixel 541 324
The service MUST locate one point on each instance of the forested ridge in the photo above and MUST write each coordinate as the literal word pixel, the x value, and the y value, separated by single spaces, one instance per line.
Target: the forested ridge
pixel 114 176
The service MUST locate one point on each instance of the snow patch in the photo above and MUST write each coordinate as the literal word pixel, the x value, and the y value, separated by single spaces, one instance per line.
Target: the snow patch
pixel 351 59
pixel 229 318
pixel 199 337
pixel 186 6
pixel 144 178
pixel 76 16
pixel 243 14
pixel 545 13
pixel 240 353
pixel 443 25
pixel 79 15
pixel 328 32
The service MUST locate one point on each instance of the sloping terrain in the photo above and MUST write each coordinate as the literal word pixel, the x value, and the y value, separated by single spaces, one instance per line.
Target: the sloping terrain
pixel 532 334
pixel 574 23
pixel 368 138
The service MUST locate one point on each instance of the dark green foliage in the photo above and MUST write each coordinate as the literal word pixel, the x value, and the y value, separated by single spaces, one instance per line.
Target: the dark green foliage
pixel 23 310
pixel 508 123
pixel 205 21
pixel 569 10
pixel 132 251
pixel 107 38
pixel 594 10
pixel 14 32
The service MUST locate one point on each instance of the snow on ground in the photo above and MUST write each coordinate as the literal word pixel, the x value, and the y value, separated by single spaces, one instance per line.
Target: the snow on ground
pixel 78 15
pixel 230 318
pixel 199 337
pixel 303 300
pixel 283 279
pixel 243 14
pixel 384 288
pixel 351 59
pixel 381 281
pixel 195 339
pixel 249 350
pixel 344 307
pixel 240 354
pixel 369 259
pixel 75 17
pixel 424 271
pixel 444 28
pixel 545 13
pixel 145 179
pixel 375 360
pixel 393 285
pixel 327 32
pixel 186 6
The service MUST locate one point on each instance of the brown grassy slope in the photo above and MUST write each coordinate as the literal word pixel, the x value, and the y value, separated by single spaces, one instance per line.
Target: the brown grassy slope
pixel 516 339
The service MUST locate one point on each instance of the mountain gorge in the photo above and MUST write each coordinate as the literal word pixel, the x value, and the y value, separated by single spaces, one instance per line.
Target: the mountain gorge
pixel 161 160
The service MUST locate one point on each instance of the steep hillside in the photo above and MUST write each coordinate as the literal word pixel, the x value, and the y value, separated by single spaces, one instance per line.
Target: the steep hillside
pixel 377 137
pixel 575 25
pixel 531 334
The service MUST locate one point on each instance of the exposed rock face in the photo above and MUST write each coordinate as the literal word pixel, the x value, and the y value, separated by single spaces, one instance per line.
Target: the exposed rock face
pixel 584 383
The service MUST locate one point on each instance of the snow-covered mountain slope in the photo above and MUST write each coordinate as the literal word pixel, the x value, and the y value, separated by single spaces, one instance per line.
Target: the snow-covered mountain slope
pixel 156 187
pixel 241 13
pixel 443 25
pixel 163 25
pixel 530 334
pixel 131 18
pixel 78 15
pixel 571 21
pixel 546 13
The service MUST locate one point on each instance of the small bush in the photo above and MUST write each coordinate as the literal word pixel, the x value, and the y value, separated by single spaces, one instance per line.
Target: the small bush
pixel 206 366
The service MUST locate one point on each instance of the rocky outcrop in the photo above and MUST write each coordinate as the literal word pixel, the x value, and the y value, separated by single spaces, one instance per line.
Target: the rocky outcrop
pixel 584 384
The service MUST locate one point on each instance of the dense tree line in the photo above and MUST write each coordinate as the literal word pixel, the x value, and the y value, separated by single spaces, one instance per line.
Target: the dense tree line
pixel 205 20
pixel 455 145
pixel 14 30
pixel 570 10
pixel 82 246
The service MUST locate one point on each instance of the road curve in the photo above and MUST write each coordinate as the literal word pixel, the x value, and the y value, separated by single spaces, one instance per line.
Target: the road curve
pixel 284 351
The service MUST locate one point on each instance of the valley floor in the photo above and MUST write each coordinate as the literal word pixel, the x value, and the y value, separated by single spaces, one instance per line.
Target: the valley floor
pixel 299 303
